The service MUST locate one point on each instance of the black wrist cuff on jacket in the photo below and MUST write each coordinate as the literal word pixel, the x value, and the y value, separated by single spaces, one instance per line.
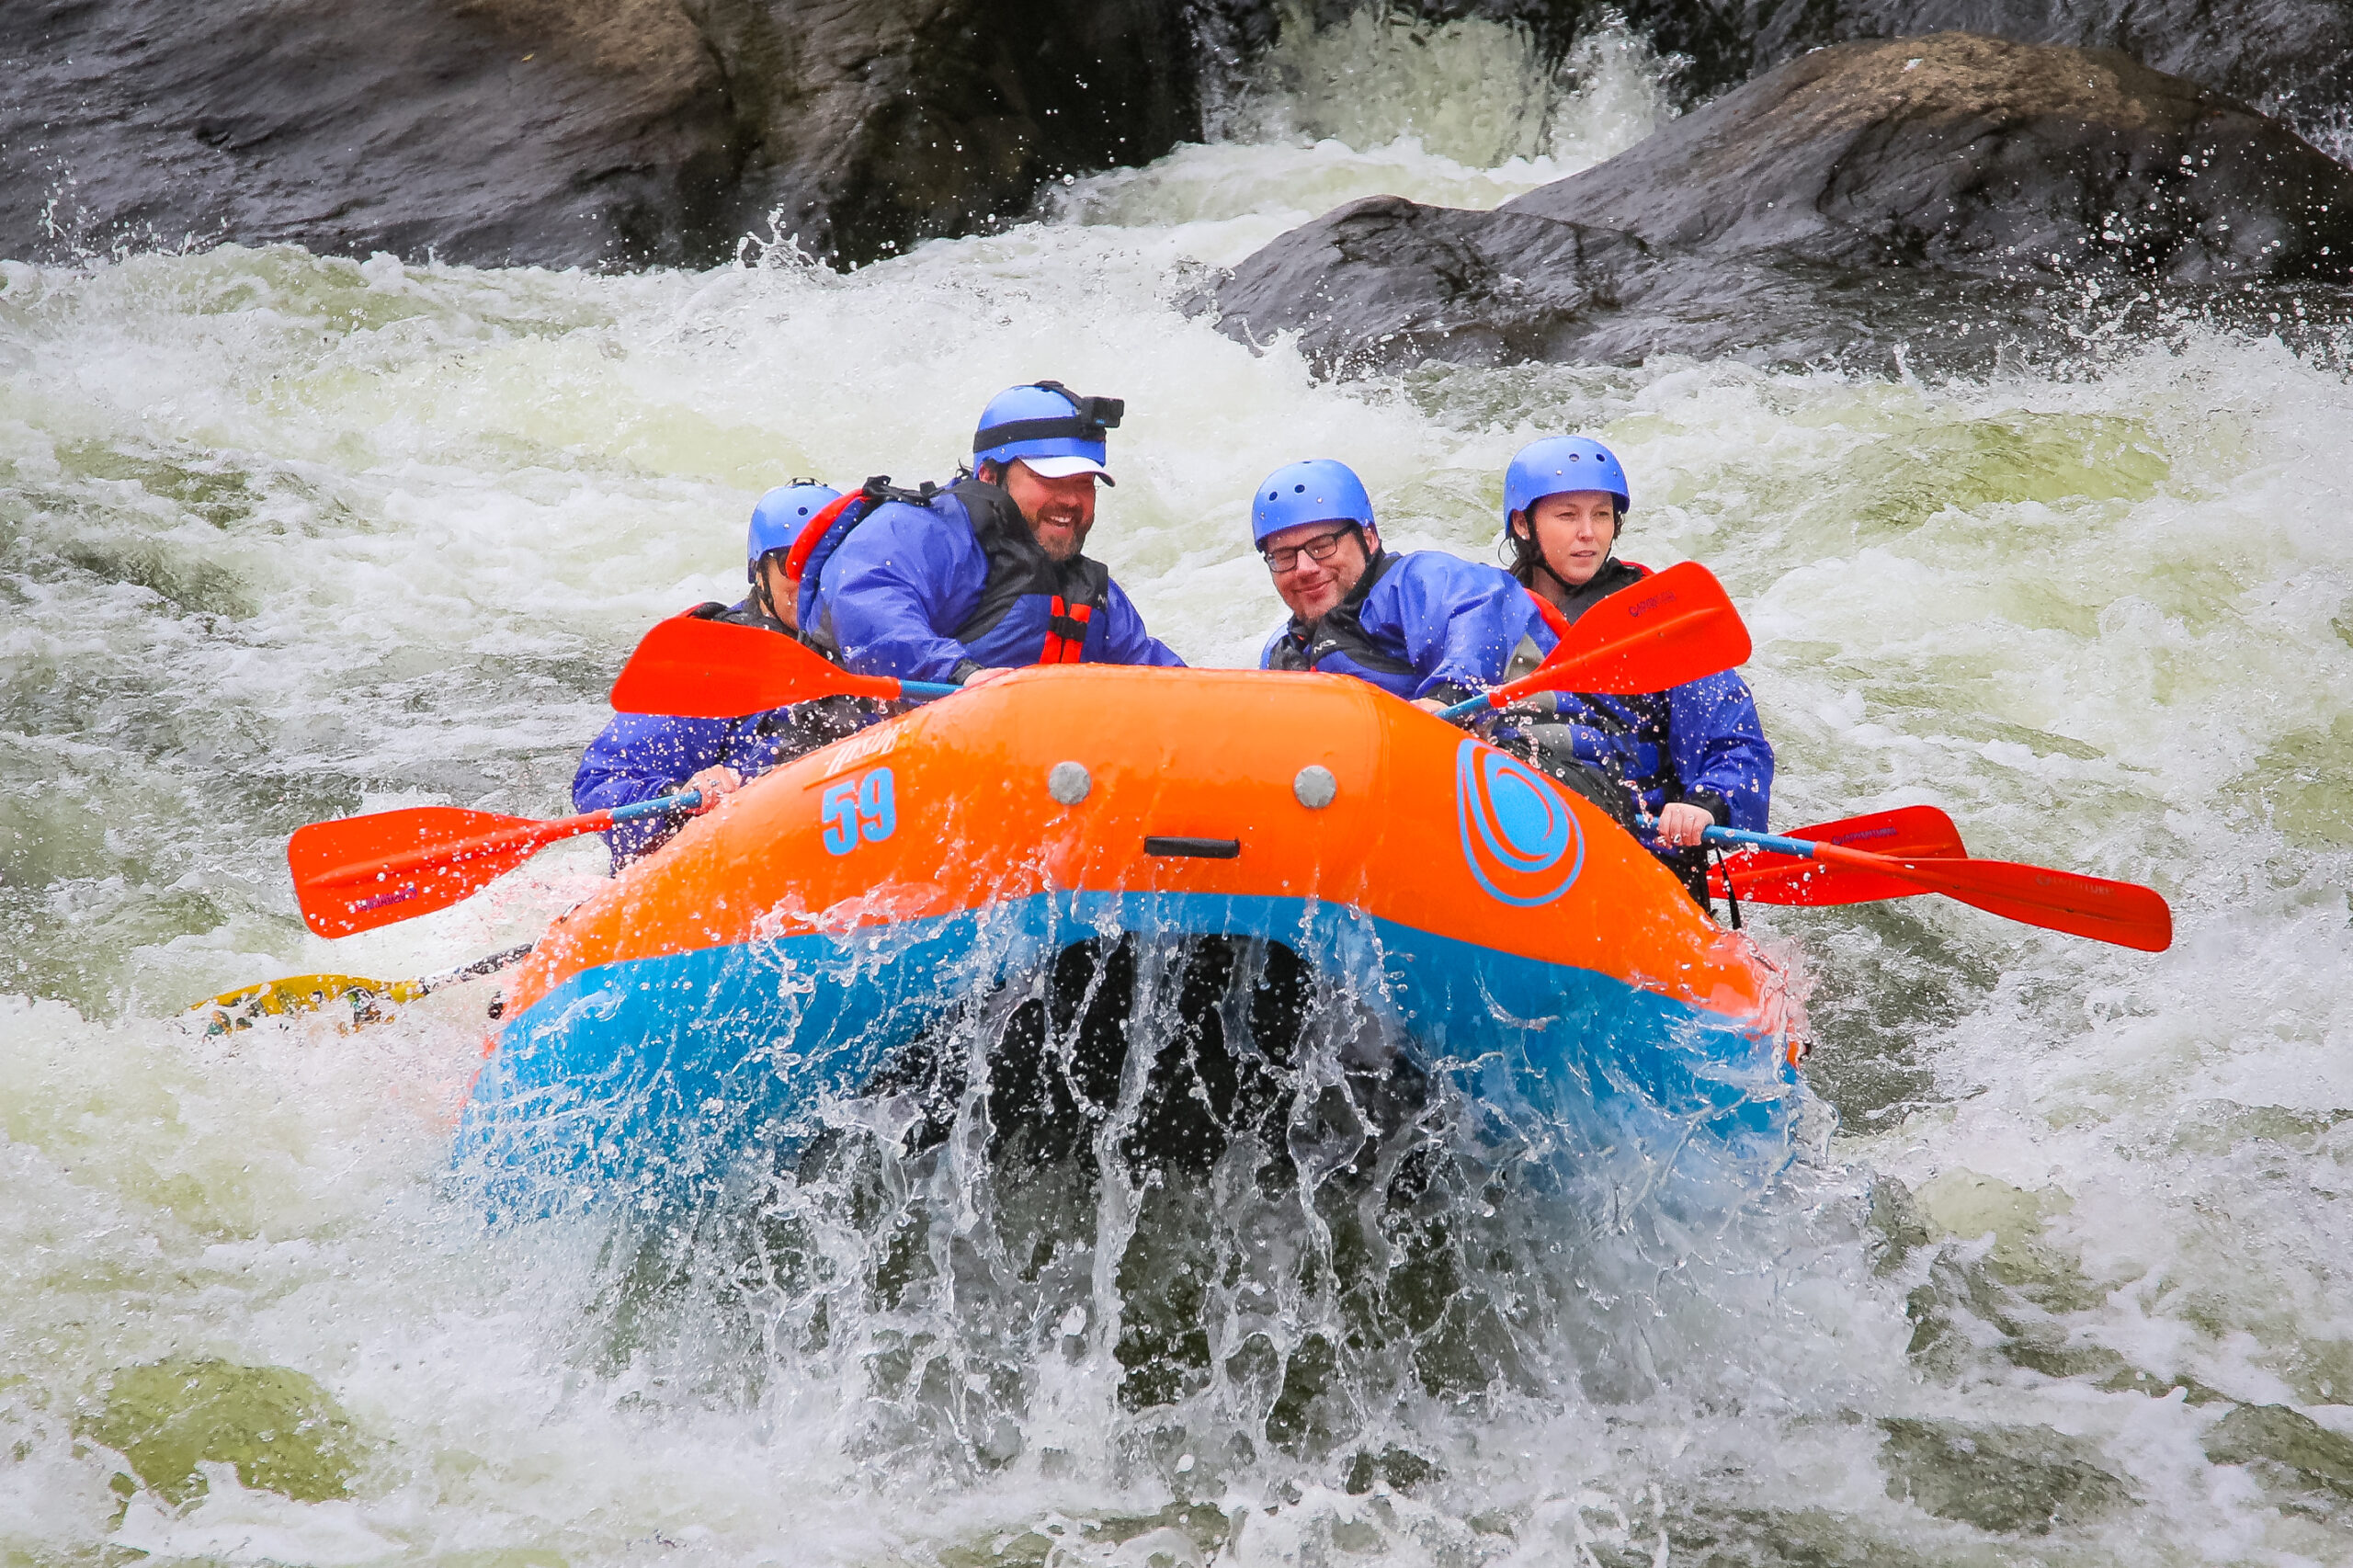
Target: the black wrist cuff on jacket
pixel 1708 800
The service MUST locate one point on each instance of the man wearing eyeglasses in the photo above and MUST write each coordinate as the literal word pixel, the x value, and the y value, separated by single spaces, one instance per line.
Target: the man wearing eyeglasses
pixel 1428 626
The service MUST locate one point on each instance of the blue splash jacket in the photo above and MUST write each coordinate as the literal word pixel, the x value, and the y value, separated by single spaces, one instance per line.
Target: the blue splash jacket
pixel 935 591
pixel 1424 624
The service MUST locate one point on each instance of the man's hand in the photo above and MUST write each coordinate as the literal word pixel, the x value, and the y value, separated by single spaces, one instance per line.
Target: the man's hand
pixel 1429 704
pixel 714 782
pixel 1682 824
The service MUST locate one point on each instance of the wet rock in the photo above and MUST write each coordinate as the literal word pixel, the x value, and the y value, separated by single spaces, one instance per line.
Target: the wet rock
pixel 871 124
pixel 1390 281
pixel 282 1431
pixel 576 132
pixel 1960 151
pixel 2286 1445
pixel 1864 183
pixel 491 130
pixel 2009 1480
pixel 2297 54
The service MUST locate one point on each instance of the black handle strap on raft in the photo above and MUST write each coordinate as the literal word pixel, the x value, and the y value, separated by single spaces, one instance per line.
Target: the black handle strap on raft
pixel 1732 896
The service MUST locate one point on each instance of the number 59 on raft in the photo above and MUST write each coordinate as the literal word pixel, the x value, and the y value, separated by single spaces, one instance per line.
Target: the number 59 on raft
pixel 865 807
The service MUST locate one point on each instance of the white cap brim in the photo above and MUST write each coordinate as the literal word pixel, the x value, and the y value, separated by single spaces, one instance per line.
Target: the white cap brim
pixel 1063 468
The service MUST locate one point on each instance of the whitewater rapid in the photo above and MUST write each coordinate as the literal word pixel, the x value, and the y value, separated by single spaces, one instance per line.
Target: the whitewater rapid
pixel 285 537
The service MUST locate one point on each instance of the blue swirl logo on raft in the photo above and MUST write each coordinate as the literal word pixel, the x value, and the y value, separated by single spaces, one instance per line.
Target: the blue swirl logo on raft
pixel 1517 830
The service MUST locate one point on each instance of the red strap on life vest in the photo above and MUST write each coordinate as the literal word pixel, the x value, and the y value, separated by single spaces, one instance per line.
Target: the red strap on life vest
pixel 1550 612
pixel 1060 648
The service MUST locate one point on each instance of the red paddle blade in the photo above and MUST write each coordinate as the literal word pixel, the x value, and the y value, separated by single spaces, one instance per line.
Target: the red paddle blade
pixel 362 872
pixel 1674 626
pixel 1760 876
pixel 713 669
pixel 2122 913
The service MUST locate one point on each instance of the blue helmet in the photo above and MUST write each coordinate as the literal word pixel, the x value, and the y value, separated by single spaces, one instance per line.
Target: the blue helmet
pixel 1316 490
pixel 782 513
pixel 1048 426
pixel 1560 463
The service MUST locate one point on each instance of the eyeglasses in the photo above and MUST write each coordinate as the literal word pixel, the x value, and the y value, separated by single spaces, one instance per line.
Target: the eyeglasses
pixel 1321 548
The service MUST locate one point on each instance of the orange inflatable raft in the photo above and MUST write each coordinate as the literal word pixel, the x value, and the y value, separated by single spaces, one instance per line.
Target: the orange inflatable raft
pixel 711 1003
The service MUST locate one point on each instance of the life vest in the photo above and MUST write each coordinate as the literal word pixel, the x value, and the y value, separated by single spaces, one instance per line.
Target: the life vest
pixel 1614 574
pixel 1342 646
pixel 1625 737
pixel 1075 590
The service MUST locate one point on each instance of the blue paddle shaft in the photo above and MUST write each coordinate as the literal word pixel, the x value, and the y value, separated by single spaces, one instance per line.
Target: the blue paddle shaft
pixel 1801 848
pixel 689 802
pixel 928 688
pixel 1463 710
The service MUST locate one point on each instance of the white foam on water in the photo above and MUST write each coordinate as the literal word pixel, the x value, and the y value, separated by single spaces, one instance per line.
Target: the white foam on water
pixel 283 537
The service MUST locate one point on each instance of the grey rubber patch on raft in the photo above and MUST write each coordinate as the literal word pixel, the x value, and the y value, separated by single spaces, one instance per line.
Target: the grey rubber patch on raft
pixel 1315 787
pixel 1069 782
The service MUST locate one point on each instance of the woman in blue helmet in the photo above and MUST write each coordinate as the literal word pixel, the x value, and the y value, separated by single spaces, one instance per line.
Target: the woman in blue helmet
pixel 989 573
pixel 1693 756
pixel 640 756
pixel 1425 626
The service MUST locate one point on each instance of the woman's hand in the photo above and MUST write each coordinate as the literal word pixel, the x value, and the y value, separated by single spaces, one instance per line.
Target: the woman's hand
pixel 1682 824
pixel 714 782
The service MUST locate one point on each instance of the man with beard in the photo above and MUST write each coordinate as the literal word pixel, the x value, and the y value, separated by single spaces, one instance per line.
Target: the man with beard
pixel 1425 625
pixel 988 575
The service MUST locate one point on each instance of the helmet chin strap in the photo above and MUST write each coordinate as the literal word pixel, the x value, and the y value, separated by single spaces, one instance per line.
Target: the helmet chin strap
pixel 761 595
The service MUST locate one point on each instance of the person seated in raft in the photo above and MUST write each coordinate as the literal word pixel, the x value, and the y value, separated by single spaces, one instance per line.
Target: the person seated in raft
pixel 963 584
pixel 642 756
pixel 1693 756
pixel 1425 626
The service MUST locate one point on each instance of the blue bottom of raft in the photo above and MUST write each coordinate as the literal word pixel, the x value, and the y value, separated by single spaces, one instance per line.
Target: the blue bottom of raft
pixel 651 1083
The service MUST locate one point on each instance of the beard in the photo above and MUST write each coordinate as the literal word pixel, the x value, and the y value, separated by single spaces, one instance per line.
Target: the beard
pixel 1060 531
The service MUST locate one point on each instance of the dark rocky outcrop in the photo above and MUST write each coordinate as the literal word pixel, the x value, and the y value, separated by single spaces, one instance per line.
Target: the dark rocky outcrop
pixel 497 129
pixel 561 132
pixel 628 132
pixel 2293 57
pixel 1857 180
pixel 873 123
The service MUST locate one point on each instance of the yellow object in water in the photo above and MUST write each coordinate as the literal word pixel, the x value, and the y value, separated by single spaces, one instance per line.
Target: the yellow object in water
pixel 370 999
pixel 304 993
